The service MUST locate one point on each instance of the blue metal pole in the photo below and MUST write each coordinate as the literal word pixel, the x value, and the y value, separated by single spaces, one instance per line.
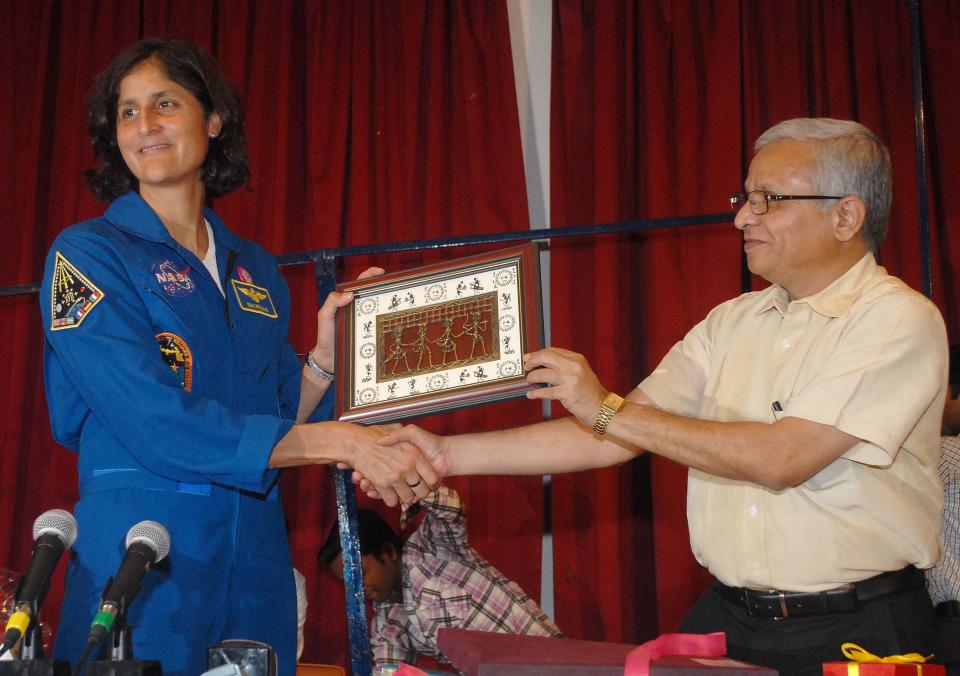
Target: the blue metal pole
pixel 352 575
pixel 318 256
pixel 920 139
pixel 326 281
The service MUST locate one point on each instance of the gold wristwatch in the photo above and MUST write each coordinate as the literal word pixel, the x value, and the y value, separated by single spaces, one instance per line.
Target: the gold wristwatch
pixel 609 407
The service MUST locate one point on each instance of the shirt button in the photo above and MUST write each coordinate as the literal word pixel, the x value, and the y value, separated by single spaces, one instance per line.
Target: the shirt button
pixel 755 567
pixel 753 511
pixel 787 343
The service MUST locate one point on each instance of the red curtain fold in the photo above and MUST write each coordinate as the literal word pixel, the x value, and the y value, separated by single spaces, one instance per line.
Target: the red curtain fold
pixel 941 34
pixel 639 131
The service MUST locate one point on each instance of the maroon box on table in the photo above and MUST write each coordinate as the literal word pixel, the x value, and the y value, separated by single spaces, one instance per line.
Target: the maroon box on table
pixel 697 666
pixel 481 653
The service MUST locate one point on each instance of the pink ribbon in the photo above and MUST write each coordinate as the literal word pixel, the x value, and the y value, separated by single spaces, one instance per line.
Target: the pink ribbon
pixel 691 645
pixel 407 670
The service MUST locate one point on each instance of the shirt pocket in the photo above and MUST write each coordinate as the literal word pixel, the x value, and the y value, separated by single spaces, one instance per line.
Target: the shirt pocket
pixel 257 338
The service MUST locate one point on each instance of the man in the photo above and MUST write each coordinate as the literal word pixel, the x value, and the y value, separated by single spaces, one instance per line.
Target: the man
pixel 434 580
pixel 808 414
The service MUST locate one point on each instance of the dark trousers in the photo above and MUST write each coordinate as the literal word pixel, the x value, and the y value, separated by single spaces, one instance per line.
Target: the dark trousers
pixel 897 623
pixel 949 635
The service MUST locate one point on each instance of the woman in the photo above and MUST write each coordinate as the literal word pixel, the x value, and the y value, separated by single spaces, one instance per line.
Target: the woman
pixel 168 370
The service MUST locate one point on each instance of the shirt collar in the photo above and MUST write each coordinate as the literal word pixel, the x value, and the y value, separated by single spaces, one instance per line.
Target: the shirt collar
pixel 833 301
pixel 131 213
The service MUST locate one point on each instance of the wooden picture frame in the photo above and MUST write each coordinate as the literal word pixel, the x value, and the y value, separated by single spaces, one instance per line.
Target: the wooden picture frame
pixel 438 337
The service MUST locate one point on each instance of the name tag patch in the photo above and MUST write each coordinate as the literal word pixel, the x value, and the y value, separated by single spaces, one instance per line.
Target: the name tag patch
pixel 176 354
pixel 73 296
pixel 253 298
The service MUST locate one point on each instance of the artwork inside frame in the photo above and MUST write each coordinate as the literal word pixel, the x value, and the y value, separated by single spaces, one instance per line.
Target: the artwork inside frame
pixel 438 337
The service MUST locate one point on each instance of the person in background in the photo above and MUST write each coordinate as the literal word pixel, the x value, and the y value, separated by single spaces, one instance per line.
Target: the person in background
pixel 433 580
pixel 301 586
pixel 167 369
pixel 943 580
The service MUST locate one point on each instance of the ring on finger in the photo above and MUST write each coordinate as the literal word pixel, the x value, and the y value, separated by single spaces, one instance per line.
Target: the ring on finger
pixel 415 483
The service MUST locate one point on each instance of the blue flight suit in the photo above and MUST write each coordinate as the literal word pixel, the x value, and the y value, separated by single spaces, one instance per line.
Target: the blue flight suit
pixel 174 397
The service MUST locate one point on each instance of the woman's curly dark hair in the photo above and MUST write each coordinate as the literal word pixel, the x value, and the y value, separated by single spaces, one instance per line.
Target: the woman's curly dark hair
pixel 225 167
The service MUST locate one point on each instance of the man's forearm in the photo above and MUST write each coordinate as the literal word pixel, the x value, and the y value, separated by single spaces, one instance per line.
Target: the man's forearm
pixel 552 447
pixel 776 455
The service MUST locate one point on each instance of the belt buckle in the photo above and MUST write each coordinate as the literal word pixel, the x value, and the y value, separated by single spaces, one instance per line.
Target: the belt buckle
pixel 783 604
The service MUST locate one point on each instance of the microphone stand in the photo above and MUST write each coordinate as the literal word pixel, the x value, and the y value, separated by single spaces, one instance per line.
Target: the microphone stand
pixel 31 645
pixel 122 648
pixel 121 662
pixel 31 662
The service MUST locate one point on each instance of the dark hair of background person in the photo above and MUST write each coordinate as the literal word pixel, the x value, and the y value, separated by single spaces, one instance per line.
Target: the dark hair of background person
pixel 373 533
pixel 225 166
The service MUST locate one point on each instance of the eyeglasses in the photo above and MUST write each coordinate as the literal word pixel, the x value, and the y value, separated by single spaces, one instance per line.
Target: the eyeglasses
pixel 759 200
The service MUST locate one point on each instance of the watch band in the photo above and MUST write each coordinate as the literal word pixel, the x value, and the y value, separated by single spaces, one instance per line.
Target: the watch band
pixel 315 367
pixel 609 407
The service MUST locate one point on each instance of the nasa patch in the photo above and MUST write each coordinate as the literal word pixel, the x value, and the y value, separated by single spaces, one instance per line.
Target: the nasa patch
pixel 176 354
pixel 172 279
pixel 253 298
pixel 73 296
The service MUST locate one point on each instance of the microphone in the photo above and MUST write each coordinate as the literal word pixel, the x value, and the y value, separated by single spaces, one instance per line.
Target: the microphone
pixel 148 542
pixel 53 531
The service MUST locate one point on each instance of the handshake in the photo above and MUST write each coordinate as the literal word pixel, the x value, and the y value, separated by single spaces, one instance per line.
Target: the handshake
pixel 401 464
pixel 397 464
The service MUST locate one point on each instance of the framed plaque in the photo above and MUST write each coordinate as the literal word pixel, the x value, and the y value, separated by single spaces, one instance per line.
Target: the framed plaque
pixel 438 337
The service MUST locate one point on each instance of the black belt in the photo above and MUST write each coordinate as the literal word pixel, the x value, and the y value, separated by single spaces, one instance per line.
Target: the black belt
pixel 777 603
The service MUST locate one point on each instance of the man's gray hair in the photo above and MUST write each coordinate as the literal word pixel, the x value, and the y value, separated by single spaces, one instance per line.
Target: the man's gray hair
pixel 851 160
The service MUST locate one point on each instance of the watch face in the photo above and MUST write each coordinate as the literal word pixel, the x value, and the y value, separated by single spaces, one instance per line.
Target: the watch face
pixel 612 402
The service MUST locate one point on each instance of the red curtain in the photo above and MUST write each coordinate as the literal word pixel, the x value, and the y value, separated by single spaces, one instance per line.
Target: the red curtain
pixel 379 122
pixel 655 108
pixel 639 131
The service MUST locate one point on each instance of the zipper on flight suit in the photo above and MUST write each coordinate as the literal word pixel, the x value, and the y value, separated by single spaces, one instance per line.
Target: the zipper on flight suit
pixel 231 259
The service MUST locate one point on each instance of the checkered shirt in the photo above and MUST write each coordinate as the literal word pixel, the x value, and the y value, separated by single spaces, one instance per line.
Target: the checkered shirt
pixel 943 580
pixel 447 584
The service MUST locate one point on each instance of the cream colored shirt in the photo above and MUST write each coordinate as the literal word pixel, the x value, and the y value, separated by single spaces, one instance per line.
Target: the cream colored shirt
pixel 867 355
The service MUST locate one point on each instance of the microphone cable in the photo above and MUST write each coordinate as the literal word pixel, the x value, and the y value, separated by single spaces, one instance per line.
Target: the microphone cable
pixel 84 656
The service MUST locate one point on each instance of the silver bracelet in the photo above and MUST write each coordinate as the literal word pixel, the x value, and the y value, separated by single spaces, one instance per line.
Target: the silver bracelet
pixel 313 366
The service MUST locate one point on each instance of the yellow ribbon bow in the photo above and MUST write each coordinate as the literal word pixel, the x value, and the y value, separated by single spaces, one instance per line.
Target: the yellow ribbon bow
pixel 854 652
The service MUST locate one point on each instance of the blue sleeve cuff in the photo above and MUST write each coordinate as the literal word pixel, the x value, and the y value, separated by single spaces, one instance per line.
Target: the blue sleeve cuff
pixel 260 434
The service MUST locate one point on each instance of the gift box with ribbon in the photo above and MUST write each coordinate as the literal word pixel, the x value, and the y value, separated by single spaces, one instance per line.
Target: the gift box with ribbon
pixel 688 655
pixel 864 663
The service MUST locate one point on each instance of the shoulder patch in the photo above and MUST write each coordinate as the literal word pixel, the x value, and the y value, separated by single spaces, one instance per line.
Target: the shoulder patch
pixel 253 298
pixel 176 354
pixel 73 296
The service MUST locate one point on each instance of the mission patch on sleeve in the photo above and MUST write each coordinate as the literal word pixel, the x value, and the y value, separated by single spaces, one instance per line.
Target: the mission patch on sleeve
pixel 73 296
pixel 176 354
